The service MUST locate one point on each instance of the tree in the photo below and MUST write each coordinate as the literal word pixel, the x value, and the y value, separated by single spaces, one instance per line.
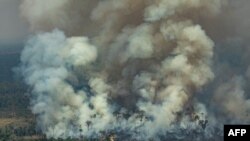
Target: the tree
pixel 88 123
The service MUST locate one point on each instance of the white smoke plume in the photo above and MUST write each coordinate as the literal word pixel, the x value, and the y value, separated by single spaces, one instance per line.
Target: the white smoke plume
pixel 133 68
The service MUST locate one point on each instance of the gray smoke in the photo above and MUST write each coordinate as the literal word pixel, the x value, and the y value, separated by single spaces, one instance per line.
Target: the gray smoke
pixel 129 67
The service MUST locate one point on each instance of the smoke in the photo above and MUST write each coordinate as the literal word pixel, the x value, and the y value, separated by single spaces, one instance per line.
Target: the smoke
pixel 69 16
pixel 133 68
pixel 231 95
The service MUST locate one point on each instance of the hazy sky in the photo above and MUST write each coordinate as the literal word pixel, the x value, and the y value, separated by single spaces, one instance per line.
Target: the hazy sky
pixel 12 27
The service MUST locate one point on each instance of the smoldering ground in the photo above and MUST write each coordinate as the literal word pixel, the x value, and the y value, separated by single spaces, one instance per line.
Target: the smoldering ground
pixel 139 69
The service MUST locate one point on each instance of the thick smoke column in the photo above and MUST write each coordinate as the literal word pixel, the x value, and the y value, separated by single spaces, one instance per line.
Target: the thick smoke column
pixel 123 66
pixel 47 60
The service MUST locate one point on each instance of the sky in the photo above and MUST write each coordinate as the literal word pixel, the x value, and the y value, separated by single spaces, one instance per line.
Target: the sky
pixel 13 29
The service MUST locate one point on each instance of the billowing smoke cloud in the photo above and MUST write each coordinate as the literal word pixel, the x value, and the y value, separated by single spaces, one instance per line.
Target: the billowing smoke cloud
pixel 133 68
pixel 62 14
pixel 231 95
